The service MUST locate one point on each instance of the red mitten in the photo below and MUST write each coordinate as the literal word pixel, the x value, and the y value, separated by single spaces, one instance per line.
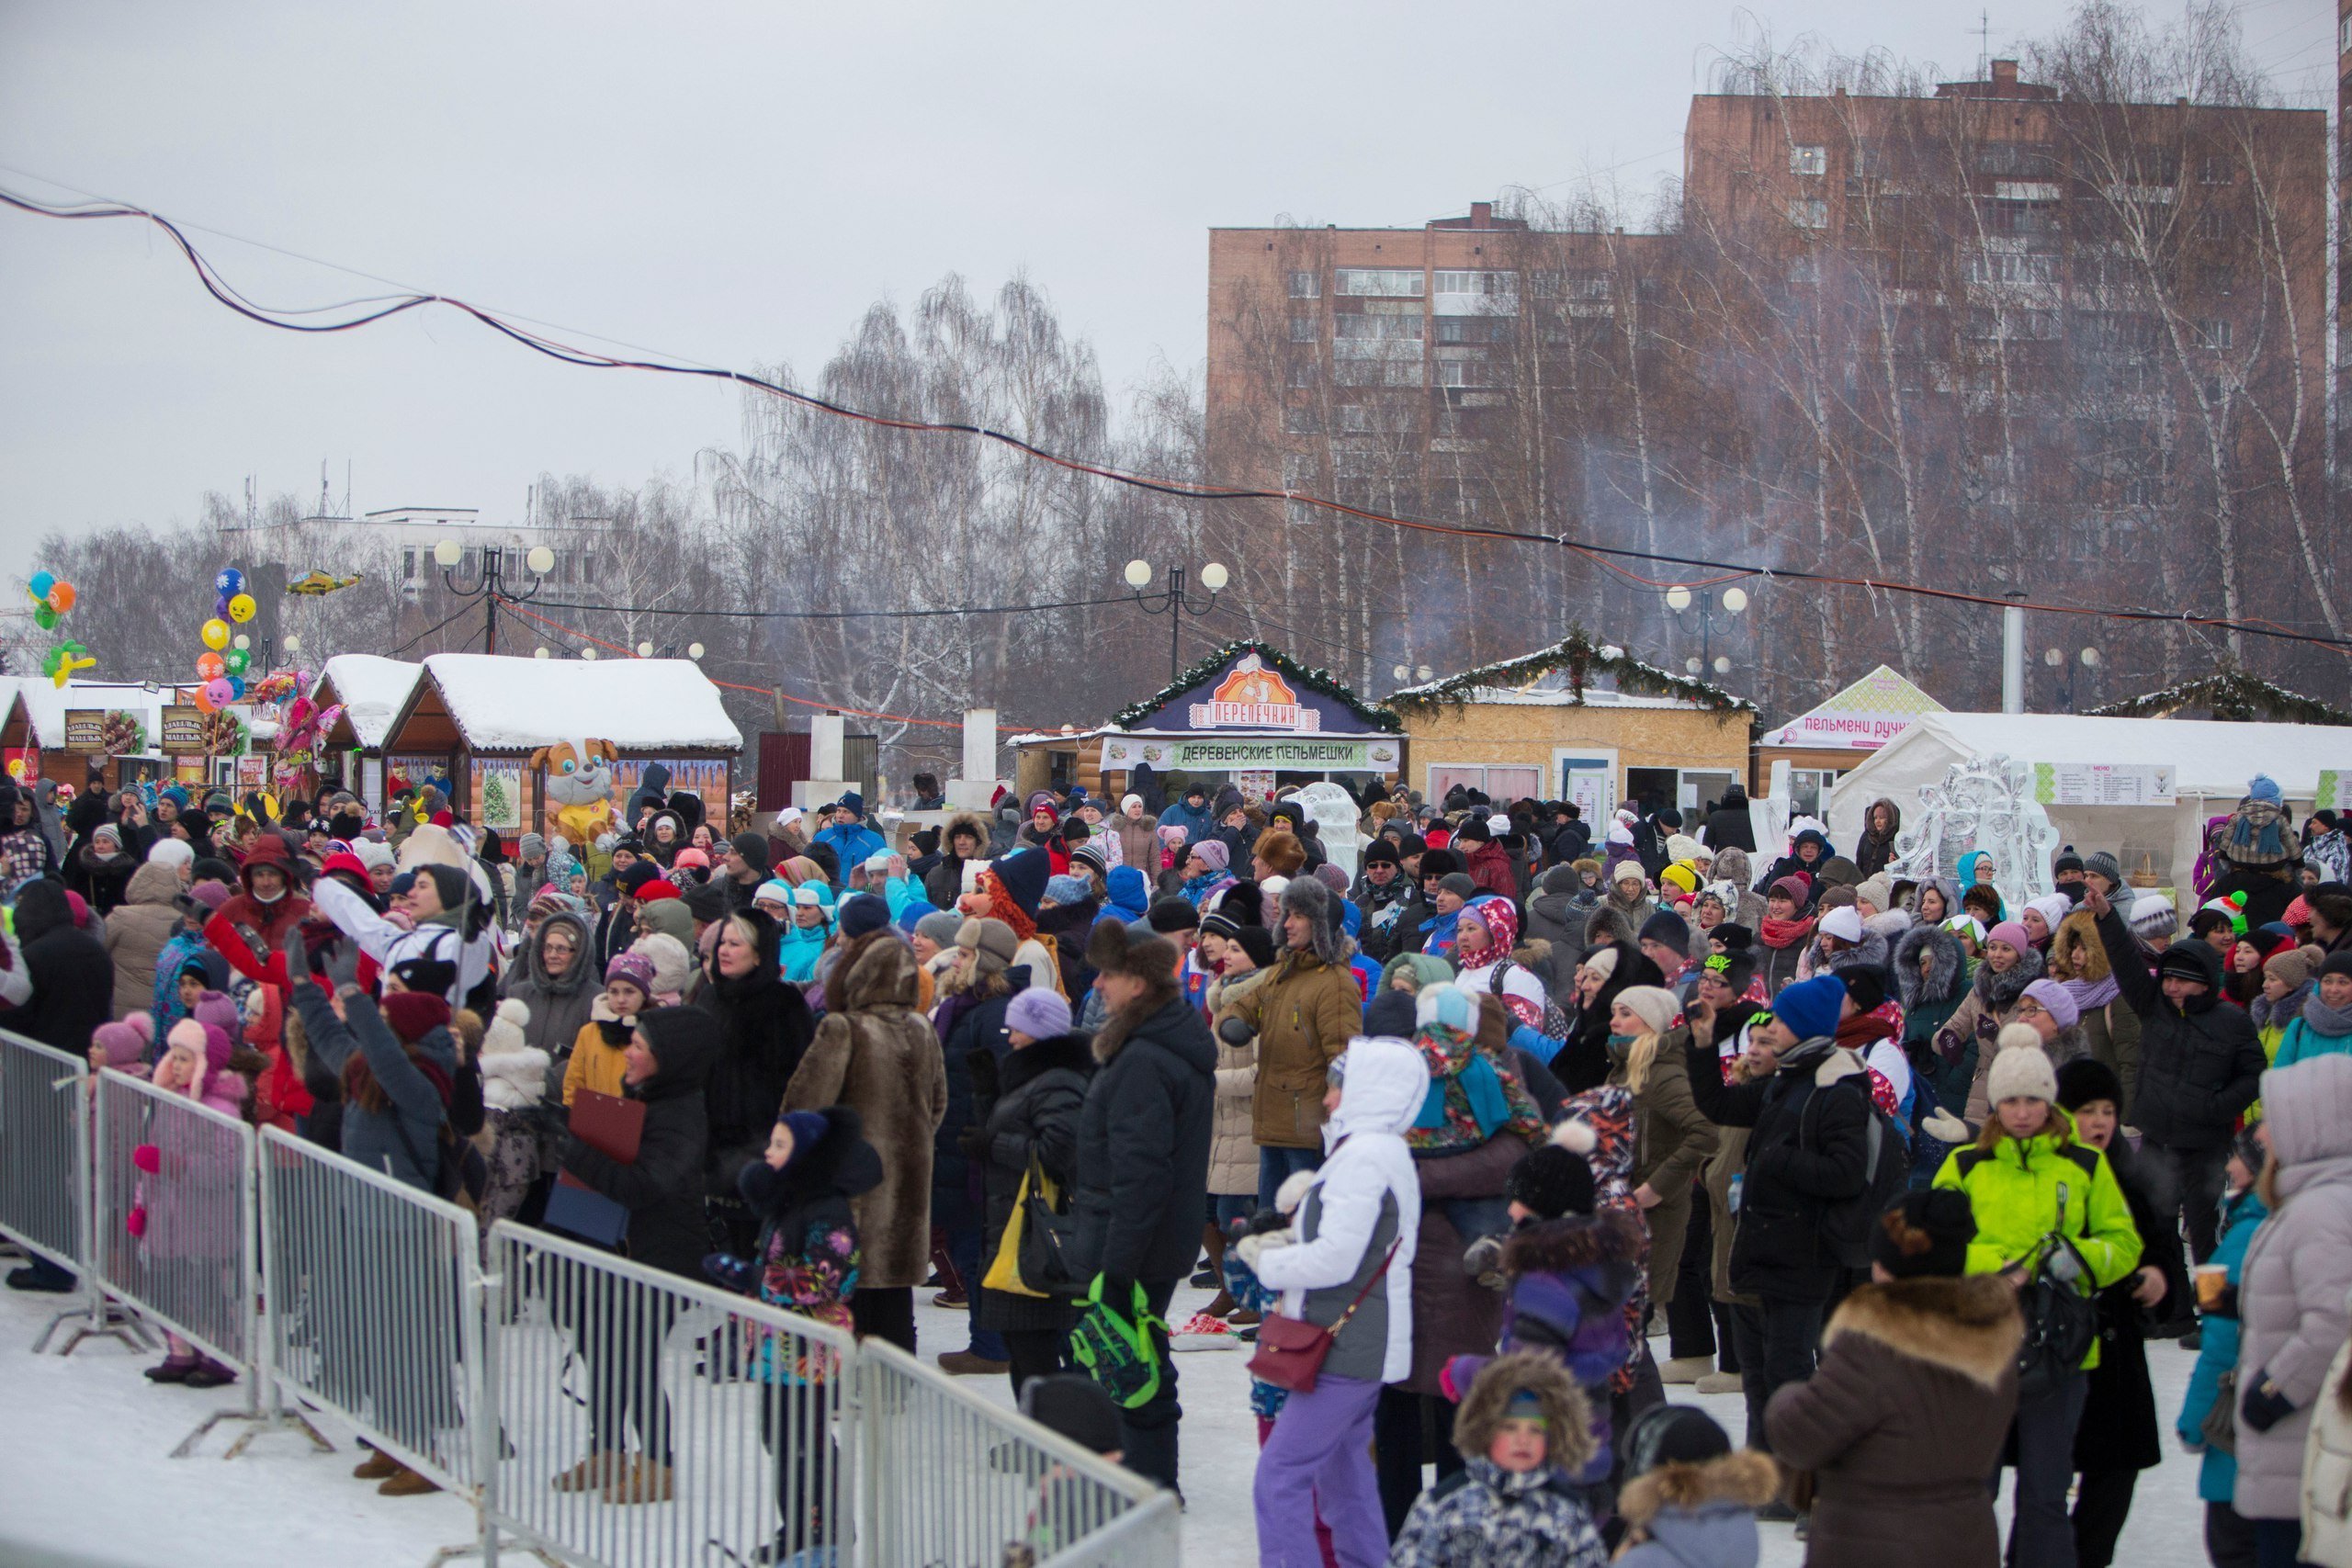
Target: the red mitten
pixel 136 1221
pixel 148 1157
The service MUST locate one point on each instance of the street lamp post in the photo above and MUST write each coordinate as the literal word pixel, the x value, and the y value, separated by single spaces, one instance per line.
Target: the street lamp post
pixel 2063 672
pixel 1173 602
pixel 1734 601
pixel 490 581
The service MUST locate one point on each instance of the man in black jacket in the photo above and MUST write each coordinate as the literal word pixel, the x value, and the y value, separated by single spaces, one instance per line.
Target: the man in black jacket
pixel 1801 1160
pixel 1143 1161
pixel 2201 1065
pixel 72 993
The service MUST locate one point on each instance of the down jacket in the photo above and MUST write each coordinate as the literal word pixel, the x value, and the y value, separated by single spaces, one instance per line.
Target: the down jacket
pixel 1303 1014
pixel 1142 1143
pixel 2201 1063
pixel 2298 1274
pixel 1233 1157
pixel 136 933
pixel 1903 1421
pixel 1797 1164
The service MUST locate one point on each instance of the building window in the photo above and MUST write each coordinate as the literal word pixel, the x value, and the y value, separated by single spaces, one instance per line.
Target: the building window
pixel 1301 373
pixel 2010 267
pixel 1809 213
pixel 1809 161
pixel 1298 470
pixel 408 564
pixel 1394 283
pixel 1297 420
pixel 1305 285
pixel 1302 329
pixel 2219 168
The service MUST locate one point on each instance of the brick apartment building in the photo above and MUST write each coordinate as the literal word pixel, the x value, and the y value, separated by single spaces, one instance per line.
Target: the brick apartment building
pixel 1986 333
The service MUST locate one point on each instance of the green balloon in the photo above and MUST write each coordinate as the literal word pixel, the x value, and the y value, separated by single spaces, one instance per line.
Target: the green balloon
pixel 235 660
pixel 44 618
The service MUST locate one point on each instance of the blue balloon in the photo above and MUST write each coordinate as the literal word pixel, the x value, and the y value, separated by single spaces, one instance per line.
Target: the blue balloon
pixel 221 608
pixel 42 581
pixel 236 686
pixel 230 580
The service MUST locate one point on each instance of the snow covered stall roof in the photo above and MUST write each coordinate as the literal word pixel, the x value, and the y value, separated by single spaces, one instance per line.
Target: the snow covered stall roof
pixel 491 703
pixel 46 703
pixel 372 689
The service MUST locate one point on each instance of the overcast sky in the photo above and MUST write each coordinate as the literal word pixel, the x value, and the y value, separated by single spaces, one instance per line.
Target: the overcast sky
pixel 738 182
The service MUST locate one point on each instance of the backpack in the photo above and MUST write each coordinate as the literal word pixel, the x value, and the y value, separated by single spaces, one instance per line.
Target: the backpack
pixel 1556 1022
pixel 1847 1223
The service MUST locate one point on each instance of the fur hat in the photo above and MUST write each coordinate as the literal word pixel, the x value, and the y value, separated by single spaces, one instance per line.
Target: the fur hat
pixel 1113 951
pixel 1927 1233
pixel 1282 852
pixel 1519 1374
pixel 2021 1069
pixel 1309 898
pixel 1038 1011
pixel 2087 1078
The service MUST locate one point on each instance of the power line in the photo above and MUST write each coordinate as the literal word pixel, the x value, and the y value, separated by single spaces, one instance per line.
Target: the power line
pixel 840 615
pixel 1185 490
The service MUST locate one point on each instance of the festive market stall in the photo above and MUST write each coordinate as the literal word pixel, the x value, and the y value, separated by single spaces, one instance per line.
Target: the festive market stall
pixel 102 733
pixel 557 745
pixel 1835 737
pixel 370 690
pixel 1247 715
pixel 2142 787
pixel 1580 721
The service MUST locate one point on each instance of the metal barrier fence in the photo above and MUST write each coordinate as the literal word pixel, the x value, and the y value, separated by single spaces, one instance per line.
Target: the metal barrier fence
pixel 45 1177
pixel 374 1307
pixel 648 1418
pixel 955 1482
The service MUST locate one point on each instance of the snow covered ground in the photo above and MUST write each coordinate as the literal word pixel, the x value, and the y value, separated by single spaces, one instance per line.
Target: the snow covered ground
pixel 84 1468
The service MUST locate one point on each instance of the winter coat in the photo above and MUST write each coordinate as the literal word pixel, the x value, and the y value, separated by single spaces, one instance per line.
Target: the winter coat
pixel 98 877
pixel 1875 849
pixel 1033 1114
pixel 1452 1314
pixel 1303 1014
pixel 2118 1428
pixel 2217 1351
pixel 1991 1003
pixel 1795 1171
pixel 1583 1062
pixel 136 933
pixel 2305 1041
pixel 662 1188
pixel 1697 1516
pixel 1142 1143
pixel 1363 1202
pixel 1233 1158
pixel 2298 1274
pixel 1929 1002
pixel 807 1254
pixel 2200 1063
pixel 1902 1421
pixel 402 1140
pixel 1728 826
pixel 967 1024
pixel 2021 1189
pixel 559 1004
pixel 765 1027
pixel 1554 916
pixel 72 978
pixel 876 1055
pixel 1673 1141
pixel 1138 841
pixel 1380 915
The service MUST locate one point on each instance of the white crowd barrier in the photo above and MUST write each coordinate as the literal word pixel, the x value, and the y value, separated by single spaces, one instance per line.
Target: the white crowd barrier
pixel 374 1305
pixel 594 1411
pixel 653 1419
pixel 45 1172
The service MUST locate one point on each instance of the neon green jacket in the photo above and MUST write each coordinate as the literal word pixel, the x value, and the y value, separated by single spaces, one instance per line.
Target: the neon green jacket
pixel 2023 1189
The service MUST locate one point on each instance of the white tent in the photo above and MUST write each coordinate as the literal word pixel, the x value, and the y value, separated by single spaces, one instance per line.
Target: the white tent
pixel 2201 764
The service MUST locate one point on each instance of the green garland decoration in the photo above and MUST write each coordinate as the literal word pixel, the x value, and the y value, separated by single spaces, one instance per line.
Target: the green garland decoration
pixel 1580 657
pixel 1321 682
pixel 2229 694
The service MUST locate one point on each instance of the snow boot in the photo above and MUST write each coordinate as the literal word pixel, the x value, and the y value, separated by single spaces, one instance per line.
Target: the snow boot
pixel 172 1368
pixel 642 1481
pixel 378 1466
pixel 406 1482
pixel 210 1373
pixel 592 1474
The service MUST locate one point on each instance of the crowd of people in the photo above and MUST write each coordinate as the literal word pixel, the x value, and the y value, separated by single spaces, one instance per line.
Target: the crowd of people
pixel 1920 1167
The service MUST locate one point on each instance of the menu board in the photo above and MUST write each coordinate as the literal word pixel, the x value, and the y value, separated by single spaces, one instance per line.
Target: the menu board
pixel 183 732
pixel 86 729
pixel 2104 783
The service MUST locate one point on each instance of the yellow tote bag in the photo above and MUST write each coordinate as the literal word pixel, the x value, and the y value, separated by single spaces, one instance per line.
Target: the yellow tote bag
pixel 1004 1269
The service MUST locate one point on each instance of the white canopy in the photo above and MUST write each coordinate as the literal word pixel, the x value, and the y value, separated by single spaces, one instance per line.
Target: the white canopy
pixel 2207 764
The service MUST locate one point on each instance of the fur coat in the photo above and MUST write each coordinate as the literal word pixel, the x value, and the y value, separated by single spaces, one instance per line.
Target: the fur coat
pixel 1903 1421
pixel 877 1054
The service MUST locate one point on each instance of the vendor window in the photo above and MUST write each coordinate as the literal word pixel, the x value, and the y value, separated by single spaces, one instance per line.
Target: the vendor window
pixel 1501 783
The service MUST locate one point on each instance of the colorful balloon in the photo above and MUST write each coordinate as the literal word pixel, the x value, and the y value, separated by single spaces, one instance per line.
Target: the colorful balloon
pixel 210 666
pixel 236 689
pixel 60 596
pixel 241 608
pixel 221 692
pixel 42 581
pixel 44 618
pixel 215 634
pixel 236 658
pixel 204 703
pixel 230 580
pixel 221 608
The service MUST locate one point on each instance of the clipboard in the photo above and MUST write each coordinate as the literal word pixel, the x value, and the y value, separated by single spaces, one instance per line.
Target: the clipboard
pixel 612 1127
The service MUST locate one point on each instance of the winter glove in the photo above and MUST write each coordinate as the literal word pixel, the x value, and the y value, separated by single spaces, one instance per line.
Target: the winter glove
pixel 1250 1247
pixel 1236 1032
pixel 2263 1406
pixel 1945 1128
pixel 730 1272
pixel 147 1157
pixel 1258 1224
pixel 1294 1189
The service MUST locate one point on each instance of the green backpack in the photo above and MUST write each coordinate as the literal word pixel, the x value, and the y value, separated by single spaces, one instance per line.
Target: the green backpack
pixel 1116 1350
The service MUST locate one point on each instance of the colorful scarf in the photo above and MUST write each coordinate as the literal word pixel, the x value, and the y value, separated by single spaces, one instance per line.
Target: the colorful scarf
pixel 1786 933
pixel 1502 934
pixel 1470 1098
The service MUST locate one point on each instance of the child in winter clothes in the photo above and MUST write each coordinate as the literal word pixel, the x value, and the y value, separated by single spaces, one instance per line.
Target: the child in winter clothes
pixel 513 1085
pixel 597 1050
pixel 1690 1498
pixel 2288 980
pixel 196 1064
pixel 1524 1436
pixel 806 1262
pixel 126 1047
pixel 2229 1539
pixel 1569 1271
